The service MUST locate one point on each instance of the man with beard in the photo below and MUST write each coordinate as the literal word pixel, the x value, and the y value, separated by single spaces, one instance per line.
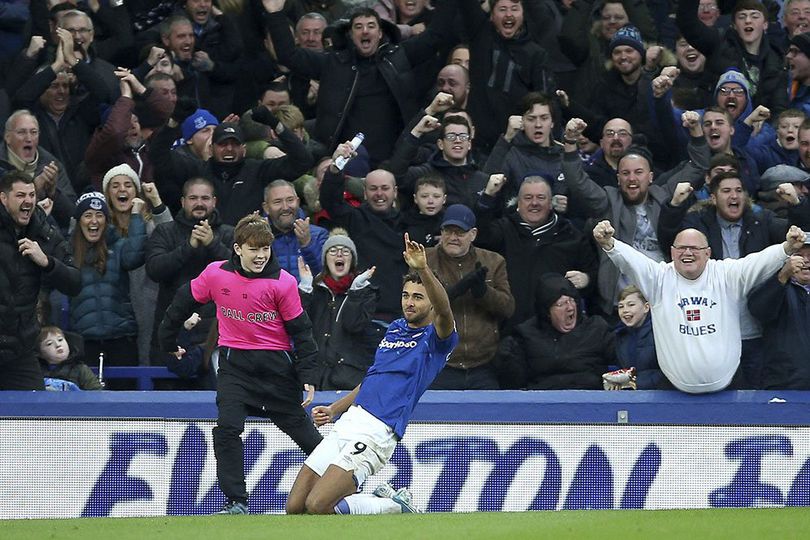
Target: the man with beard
pixel 239 181
pixel 696 302
pixel 617 136
pixel 178 251
pixel 624 91
pixel 527 146
pixel 32 252
pixel 798 61
pixel 733 230
pixel 375 227
pixel 534 240
pixel 780 305
pixel 294 236
pixel 635 205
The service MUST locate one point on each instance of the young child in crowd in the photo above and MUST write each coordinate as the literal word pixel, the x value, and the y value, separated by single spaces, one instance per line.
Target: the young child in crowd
pixel 423 220
pixel 769 149
pixel 635 348
pixel 61 365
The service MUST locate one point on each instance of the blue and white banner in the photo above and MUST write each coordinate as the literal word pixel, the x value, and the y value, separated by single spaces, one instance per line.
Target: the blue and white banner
pixel 51 468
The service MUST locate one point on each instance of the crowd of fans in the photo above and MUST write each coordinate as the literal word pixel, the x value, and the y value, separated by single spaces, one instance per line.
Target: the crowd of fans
pixel 496 133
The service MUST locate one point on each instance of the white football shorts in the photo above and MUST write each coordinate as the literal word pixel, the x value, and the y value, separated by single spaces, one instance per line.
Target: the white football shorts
pixel 359 443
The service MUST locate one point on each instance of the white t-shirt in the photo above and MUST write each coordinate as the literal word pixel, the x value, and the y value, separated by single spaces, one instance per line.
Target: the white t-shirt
pixel 697 322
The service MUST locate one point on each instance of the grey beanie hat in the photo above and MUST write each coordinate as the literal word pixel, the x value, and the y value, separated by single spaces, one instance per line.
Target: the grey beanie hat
pixel 339 239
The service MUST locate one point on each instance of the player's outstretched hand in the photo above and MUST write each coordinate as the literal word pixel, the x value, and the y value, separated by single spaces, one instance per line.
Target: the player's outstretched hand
pixel 414 254
pixel 321 415
pixel 310 390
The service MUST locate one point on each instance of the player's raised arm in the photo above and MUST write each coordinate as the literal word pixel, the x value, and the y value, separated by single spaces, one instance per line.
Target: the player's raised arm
pixel 414 255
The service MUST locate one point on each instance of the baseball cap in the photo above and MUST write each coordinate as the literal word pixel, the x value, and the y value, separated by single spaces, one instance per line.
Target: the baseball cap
pixel 228 130
pixel 782 173
pixel 459 216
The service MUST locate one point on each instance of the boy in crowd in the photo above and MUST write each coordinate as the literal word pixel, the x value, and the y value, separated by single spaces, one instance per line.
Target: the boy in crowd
pixel 423 220
pixel 61 364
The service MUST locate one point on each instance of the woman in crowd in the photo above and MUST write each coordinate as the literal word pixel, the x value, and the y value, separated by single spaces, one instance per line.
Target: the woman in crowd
pixel 121 187
pixel 102 312
pixel 341 304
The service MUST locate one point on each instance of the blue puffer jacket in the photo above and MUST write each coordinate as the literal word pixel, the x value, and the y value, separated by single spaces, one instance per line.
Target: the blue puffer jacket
pixel 103 310
pixel 287 249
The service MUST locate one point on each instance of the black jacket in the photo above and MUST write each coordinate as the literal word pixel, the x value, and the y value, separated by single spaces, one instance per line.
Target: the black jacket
pixel 171 261
pixel 21 280
pixel 239 186
pixel 502 71
pixel 724 50
pixel 462 182
pixel 558 250
pixel 342 106
pixel 538 357
pixel 344 333
pixel 760 228
pixel 784 311
pixel 379 241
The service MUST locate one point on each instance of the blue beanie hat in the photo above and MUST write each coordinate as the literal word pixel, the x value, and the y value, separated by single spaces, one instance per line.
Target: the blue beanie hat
pixel 92 200
pixel 732 75
pixel 630 36
pixel 197 121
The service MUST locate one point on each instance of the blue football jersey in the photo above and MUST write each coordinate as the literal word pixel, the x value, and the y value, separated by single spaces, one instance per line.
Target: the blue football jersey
pixel 406 362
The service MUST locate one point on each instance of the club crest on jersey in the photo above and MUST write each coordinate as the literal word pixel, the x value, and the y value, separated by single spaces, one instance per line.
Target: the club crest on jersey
pixel 692 315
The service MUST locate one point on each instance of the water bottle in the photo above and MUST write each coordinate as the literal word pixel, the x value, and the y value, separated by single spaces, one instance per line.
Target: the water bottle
pixel 341 161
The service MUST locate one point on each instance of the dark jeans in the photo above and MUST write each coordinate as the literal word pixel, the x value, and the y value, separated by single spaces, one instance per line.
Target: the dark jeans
pixel 480 378
pixel 256 383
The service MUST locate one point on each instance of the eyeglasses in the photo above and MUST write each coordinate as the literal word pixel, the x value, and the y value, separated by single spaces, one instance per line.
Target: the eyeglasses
pixel 728 91
pixel 707 8
pixel 453 137
pixel 24 132
pixel 339 251
pixel 622 133
pixel 691 249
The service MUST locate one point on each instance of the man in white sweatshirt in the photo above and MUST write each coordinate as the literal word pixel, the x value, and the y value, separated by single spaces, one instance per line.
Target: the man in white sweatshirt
pixel 696 302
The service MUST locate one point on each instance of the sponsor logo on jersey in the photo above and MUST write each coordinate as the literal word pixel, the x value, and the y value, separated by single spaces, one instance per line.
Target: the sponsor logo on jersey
pixel 398 344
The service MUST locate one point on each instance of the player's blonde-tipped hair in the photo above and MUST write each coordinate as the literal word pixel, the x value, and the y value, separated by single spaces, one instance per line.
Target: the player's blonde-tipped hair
pixel 254 231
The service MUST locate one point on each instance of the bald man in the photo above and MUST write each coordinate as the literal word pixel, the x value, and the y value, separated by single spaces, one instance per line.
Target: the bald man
pixel 695 302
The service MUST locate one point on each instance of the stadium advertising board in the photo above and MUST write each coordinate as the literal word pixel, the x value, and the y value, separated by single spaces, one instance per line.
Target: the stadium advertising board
pixel 123 467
